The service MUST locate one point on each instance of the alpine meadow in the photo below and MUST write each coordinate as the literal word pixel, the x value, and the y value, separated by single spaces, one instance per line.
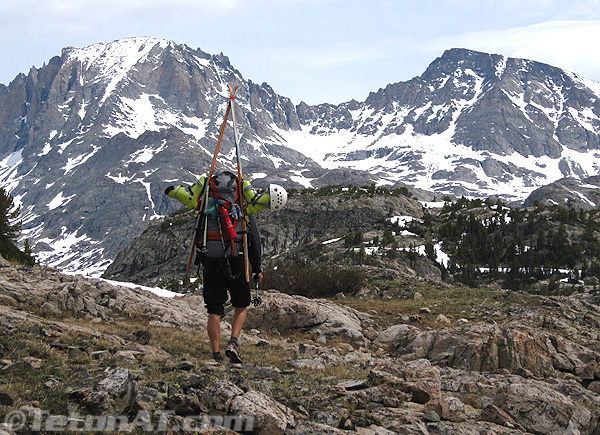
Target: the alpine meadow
pixel 431 255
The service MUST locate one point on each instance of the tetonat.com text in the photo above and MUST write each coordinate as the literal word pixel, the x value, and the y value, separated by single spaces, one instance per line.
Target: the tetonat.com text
pixel 38 420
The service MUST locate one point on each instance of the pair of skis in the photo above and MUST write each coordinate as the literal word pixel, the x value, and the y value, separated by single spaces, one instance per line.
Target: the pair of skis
pixel 202 203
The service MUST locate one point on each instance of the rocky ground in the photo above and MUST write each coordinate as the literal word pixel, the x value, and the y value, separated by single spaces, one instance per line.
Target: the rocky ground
pixel 82 354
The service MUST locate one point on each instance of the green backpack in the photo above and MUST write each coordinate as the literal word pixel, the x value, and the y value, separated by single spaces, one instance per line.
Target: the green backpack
pixel 222 218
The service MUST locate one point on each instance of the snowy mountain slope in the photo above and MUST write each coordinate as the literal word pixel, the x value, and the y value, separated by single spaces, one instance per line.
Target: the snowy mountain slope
pixel 568 192
pixel 473 123
pixel 89 141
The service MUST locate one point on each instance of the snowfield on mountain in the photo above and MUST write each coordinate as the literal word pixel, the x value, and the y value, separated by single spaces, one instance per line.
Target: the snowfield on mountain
pixel 89 140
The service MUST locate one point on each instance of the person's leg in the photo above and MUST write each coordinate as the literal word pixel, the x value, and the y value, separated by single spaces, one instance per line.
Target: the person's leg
pixel 213 327
pixel 215 296
pixel 239 318
pixel 239 291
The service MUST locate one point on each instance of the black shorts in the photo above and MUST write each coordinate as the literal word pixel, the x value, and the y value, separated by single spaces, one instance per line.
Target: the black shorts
pixel 217 284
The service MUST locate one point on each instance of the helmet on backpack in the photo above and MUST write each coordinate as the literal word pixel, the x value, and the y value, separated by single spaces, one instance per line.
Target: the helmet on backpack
pixel 275 198
pixel 278 197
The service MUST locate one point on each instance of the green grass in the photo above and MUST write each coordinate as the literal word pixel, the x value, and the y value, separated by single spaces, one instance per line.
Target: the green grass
pixel 454 302
pixel 27 382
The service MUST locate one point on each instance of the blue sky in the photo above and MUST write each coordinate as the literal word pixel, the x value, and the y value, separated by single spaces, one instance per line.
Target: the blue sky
pixel 312 50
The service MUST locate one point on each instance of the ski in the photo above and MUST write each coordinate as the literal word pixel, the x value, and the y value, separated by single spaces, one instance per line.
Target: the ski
pixel 240 181
pixel 201 206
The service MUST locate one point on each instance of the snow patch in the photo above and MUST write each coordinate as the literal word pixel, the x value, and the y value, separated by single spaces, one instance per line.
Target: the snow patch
pixel 144 155
pixel 120 179
pixel 156 290
pixel 401 220
pixel 47 148
pixel 149 113
pixel 59 201
pixel 12 159
pixel 432 204
pixel 113 61
pixel 152 207
pixel 301 179
pixel 61 247
pixel 80 160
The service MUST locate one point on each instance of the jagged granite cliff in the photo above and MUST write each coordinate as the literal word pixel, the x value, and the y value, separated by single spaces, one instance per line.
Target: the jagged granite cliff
pixel 89 141
pixel 161 253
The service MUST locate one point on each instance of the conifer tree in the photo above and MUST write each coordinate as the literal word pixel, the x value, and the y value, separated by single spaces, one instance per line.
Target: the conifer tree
pixel 10 229
pixel 8 213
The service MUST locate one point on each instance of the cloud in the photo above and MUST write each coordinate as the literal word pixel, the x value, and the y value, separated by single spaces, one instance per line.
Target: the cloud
pixel 66 16
pixel 570 45
pixel 557 9
pixel 331 56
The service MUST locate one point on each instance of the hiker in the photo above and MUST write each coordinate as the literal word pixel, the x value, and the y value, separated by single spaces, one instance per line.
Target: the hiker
pixel 220 247
pixel 225 275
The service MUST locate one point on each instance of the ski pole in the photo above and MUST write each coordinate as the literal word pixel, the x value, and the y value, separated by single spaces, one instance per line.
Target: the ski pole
pixel 257 300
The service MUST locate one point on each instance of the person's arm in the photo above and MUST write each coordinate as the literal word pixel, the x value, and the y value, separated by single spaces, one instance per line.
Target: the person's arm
pixel 254 248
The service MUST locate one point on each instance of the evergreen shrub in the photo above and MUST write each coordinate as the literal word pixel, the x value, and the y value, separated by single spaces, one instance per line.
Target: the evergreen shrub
pixel 314 281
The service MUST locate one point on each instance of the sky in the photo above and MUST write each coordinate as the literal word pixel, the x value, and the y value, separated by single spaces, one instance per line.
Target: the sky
pixel 316 51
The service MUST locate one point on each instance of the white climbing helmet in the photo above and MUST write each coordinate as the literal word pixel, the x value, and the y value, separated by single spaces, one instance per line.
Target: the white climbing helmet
pixel 278 197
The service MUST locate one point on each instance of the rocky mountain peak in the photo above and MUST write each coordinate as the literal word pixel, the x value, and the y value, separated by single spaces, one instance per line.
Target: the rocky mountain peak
pixel 89 141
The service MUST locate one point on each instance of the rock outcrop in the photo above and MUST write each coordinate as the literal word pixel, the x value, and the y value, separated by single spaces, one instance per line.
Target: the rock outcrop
pixel 488 348
pixel 283 313
pixel 47 291
pixel 568 192
pixel 161 252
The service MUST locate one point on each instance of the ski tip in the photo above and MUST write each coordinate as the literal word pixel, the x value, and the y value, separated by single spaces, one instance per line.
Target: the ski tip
pixel 232 91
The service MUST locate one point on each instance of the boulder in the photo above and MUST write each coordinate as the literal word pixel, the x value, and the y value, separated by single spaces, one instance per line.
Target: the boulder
pixel 282 312
pixel 488 347
pixel 540 409
pixel 270 417
pixel 119 385
pixel 218 395
pixel 148 399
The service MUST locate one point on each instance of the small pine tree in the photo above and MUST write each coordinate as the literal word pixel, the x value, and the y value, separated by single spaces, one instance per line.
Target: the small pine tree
pixel 430 251
pixel 10 230
pixel 27 248
pixel 8 213
pixel 388 238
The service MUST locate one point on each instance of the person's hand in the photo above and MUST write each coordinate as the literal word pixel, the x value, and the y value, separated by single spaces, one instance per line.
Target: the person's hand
pixel 258 277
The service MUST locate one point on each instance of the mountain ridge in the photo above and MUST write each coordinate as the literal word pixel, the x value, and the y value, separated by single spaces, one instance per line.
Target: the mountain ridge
pixel 89 141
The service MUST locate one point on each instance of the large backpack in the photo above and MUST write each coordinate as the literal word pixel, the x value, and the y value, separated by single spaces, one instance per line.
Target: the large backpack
pixel 222 218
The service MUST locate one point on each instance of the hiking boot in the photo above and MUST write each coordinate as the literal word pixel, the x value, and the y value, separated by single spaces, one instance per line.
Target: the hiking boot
pixel 233 353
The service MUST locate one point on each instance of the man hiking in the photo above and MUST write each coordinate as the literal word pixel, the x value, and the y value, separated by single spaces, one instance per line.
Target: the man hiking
pixel 226 238
pixel 226 215
pixel 226 275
